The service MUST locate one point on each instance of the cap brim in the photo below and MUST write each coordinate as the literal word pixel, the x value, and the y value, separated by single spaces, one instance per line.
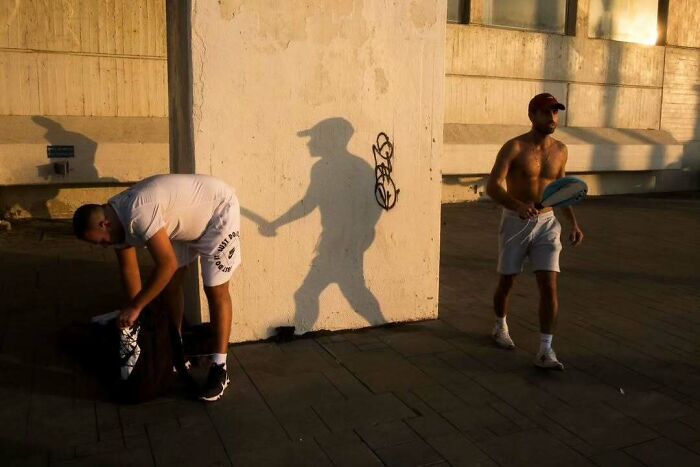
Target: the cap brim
pixel 304 133
pixel 559 106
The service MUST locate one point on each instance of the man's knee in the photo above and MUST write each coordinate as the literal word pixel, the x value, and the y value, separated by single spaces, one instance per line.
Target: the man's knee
pixel 547 283
pixel 217 294
pixel 505 284
pixel 175 281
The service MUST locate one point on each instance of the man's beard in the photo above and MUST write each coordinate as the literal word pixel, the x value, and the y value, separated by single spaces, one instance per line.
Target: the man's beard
pixel 546 130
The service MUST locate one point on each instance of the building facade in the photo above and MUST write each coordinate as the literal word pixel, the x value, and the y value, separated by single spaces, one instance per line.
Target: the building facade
pixel 627 71
pixel 341 124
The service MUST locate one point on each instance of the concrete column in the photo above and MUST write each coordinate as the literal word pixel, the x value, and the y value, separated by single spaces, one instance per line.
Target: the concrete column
pixel 313 110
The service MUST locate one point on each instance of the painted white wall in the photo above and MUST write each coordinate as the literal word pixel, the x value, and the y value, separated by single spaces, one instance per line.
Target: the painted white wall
pixel 347 70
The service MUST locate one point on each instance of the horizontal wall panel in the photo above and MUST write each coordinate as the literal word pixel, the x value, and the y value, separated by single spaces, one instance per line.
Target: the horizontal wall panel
pixel 508 53
pixel 614 106
pixel 681 105
pixel 64 84
pixel 496 101
pixel 126 27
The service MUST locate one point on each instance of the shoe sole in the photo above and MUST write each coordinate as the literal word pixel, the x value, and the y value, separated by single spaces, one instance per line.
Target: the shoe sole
pixel 218 396
pixel 500 346
pixel 554 368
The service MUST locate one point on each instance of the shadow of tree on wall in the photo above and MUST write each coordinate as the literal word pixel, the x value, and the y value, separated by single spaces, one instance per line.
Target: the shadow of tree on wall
pixel 342 188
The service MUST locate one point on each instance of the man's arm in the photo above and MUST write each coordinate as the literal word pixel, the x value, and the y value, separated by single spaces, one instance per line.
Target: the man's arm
pixel 576 235
pixel 129 271
pixel 499 172
pixel 298 210
pixel 166 264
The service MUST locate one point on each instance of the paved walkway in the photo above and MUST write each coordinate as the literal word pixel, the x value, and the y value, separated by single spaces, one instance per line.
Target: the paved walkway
pixel 431 393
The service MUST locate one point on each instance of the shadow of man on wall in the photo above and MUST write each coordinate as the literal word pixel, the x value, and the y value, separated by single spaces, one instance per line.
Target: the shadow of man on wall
pixel 342 188
pixel 85 149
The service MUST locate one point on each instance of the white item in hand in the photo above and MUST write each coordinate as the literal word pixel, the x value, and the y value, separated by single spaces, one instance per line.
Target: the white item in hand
pixel 105 317
pixel 129 350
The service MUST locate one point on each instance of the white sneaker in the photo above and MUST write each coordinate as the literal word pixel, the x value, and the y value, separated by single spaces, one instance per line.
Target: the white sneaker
pixel 502 338
pixel 548 360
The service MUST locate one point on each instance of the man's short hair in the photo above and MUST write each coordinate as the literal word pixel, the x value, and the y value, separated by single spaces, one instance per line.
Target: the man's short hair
pixel 82 217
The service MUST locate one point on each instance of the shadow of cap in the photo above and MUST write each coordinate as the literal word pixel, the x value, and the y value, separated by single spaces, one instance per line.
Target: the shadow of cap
pixel 337 126
pixel 46 122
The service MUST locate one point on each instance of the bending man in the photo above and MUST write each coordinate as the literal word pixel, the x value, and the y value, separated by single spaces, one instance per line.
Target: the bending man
pixel 178 218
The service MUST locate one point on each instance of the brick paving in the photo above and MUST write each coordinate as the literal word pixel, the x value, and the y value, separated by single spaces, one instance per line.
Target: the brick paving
pixel 430 393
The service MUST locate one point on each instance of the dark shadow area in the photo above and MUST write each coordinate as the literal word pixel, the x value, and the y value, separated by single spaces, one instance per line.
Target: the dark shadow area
pixel 629 342
pixel 83 163
pixel 85 148
pixel 691 149
pixel 342 188
pixel 51 285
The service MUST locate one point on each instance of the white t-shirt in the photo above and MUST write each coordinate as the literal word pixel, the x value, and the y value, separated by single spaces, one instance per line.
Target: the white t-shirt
pixel 182 204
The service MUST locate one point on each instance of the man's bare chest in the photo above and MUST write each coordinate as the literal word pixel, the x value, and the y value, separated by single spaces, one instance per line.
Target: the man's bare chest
pixel 539 164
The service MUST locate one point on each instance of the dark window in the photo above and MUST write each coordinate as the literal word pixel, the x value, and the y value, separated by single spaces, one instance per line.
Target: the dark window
pixel 537 15
pixel 457 11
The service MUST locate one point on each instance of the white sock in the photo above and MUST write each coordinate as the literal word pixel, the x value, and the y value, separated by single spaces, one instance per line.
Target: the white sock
pixel 219 359
pixel 545 341
pixel 501 322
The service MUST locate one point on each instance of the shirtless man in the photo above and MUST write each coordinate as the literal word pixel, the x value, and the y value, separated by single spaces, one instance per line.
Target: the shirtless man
pixel 527 164
pixel 179 218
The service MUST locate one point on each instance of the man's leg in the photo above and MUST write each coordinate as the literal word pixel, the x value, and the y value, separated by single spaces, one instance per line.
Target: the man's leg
pixel 549 302
pixel 220 309
pixel 219 300
pixel 549 311
pixel 500 298
pixel 500 307
pixel 174 297
pixel 306 298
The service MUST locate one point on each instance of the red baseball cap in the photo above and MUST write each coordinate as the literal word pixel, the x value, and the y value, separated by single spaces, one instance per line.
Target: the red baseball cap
pixel 544 101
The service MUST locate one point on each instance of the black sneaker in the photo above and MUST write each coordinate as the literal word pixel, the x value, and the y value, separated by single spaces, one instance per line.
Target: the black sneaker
pixel 216 384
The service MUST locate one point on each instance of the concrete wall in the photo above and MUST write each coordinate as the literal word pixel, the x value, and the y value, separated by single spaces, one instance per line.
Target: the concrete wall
pixel 83 58
pixel 109 151
pixel 346 70
pixel 683 28
pixel 491 73
pixel 89 73
pixel 517 64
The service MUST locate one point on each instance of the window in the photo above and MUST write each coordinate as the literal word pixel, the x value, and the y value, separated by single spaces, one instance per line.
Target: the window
pixel 624 20
pixel 538 15
pixel 534 15
pixel 457 11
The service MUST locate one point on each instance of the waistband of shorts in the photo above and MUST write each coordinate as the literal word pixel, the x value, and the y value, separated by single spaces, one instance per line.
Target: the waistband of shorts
pixel 542 215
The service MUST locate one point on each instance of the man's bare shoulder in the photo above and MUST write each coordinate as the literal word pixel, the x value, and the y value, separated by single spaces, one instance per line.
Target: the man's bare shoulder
pixel 559 145
pixel 514 145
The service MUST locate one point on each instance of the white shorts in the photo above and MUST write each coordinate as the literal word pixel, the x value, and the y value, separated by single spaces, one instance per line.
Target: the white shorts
pixel 538 240
pixel 219 247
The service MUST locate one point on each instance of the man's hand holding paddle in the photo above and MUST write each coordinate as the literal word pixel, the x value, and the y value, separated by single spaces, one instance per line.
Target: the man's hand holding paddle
pixel 527 210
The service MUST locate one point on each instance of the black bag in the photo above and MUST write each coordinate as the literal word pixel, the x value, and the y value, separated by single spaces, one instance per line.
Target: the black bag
pixel 140 362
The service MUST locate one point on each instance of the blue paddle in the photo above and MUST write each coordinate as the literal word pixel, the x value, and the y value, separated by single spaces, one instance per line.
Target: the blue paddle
pixel 565 191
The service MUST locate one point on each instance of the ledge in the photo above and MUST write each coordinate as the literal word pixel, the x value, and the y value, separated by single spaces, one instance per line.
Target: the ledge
pixel 107 149
pixel 472 149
